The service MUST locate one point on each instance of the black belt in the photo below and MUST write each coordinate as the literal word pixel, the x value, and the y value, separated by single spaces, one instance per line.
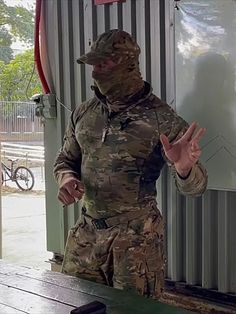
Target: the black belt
pixel 105 223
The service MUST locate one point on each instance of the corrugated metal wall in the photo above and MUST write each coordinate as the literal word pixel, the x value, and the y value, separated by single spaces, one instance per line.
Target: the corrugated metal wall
pixel 70 26
pixel 201 237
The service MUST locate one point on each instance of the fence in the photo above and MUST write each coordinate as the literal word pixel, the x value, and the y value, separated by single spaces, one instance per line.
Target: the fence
pixel 19 123
pixel 22 152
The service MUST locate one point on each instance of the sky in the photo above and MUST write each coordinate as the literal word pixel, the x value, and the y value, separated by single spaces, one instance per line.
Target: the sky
pixel 24 3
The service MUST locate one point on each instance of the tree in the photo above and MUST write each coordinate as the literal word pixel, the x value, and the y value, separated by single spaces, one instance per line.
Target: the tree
pixel 17 76
pixel 2 65
pixel 15 23
pixel 6 53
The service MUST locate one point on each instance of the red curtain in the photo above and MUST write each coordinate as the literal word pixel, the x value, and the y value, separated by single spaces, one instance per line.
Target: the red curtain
pixel 104 1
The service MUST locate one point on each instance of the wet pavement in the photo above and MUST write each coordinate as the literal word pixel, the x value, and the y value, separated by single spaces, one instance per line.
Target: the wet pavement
pixel 24 225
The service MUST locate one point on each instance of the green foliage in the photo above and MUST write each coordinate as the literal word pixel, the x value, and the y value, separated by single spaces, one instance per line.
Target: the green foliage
pixel 21 22
pixel 2 64
pixel 5 43
pixel 15 23
pixel 15 77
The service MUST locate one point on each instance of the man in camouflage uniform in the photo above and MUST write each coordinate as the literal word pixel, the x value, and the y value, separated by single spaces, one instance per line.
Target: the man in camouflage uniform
pixel 114 149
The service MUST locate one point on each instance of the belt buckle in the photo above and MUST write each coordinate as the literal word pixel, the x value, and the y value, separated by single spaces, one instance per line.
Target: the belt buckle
pixel 99 224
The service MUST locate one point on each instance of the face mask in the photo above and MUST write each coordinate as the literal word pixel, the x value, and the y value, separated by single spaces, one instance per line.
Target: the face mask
pixel 118 80
pixel 114 56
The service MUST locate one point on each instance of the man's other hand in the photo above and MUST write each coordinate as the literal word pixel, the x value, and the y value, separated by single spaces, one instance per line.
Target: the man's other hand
pixel 71 189
pixel 185 152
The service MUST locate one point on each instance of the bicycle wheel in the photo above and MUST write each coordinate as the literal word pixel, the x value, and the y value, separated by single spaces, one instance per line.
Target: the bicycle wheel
pixel 24 178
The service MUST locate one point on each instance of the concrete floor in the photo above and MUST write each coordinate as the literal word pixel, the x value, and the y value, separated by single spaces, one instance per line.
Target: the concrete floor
pixel 24 226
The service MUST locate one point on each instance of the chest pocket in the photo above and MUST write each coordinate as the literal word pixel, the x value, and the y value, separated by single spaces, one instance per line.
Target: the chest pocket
pixel 134 138
pixel 89 131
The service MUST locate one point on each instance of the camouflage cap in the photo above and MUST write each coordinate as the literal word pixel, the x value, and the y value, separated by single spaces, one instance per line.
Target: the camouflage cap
pixel 111 44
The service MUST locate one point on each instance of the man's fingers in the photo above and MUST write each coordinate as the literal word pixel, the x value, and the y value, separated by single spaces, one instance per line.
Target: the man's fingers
pixel 71 181
pixel 72 186
pixel 70 191
pixel 194 146
pixel 196 154
pixel 65 197
pixel 75 189
pixel 199 135
pixel 165 142
pixel 189 133
pixel 76 193
pixel 61 199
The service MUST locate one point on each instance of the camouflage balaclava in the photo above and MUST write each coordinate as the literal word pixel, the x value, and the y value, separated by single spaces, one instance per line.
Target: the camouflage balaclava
pixel 123 80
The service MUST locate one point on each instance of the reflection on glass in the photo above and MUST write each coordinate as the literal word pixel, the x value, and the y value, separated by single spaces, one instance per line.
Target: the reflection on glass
pixel 211 101
pixel 205 69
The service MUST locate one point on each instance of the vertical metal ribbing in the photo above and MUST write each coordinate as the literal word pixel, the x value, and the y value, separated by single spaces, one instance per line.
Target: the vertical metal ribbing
pixel 143 33
pixel 72 212
pixel 68 54
pixel 79 49
pixel 100 19
pixel 54 129
pixel 209 239
pixel 217 212
pixel 94 20
pixel 89 37
pixel 58 57
pixel 193 240
pixel 231 199
pixel 126 16
pixel 113 11
pixel 162 61
pixel 107 17
pixel 206 234
pixel 155 46
pixel 223 236
pixel 120 15
pixel 169 52
pixel 168 215
pixel 178 237
pixel 133 19
pixel 148 41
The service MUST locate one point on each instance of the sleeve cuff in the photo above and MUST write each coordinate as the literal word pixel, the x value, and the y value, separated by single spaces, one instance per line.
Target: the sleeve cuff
pixel 190 178
pixel 184 178
pixel 60 175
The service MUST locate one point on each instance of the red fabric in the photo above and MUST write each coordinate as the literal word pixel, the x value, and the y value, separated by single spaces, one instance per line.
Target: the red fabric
pixel 37 56
pixel 96 2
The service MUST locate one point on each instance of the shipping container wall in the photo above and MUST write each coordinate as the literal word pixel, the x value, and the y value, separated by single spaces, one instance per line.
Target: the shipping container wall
pixel 68 30
pixel 201 236
pixel 200 233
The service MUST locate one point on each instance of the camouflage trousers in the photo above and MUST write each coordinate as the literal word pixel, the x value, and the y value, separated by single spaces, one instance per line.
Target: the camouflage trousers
pixel 127 256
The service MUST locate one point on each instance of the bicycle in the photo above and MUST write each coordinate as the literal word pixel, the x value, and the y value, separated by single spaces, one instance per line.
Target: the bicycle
pixel 22 176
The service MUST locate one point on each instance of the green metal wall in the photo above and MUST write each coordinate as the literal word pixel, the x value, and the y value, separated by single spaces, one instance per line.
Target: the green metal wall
pixel 69 27
pixel 200 232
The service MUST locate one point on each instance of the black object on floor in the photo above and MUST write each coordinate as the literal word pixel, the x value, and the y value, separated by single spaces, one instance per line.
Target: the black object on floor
pixel 90 308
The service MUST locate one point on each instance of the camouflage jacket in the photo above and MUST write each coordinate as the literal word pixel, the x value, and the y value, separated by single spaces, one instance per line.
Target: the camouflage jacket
pixel 119 158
